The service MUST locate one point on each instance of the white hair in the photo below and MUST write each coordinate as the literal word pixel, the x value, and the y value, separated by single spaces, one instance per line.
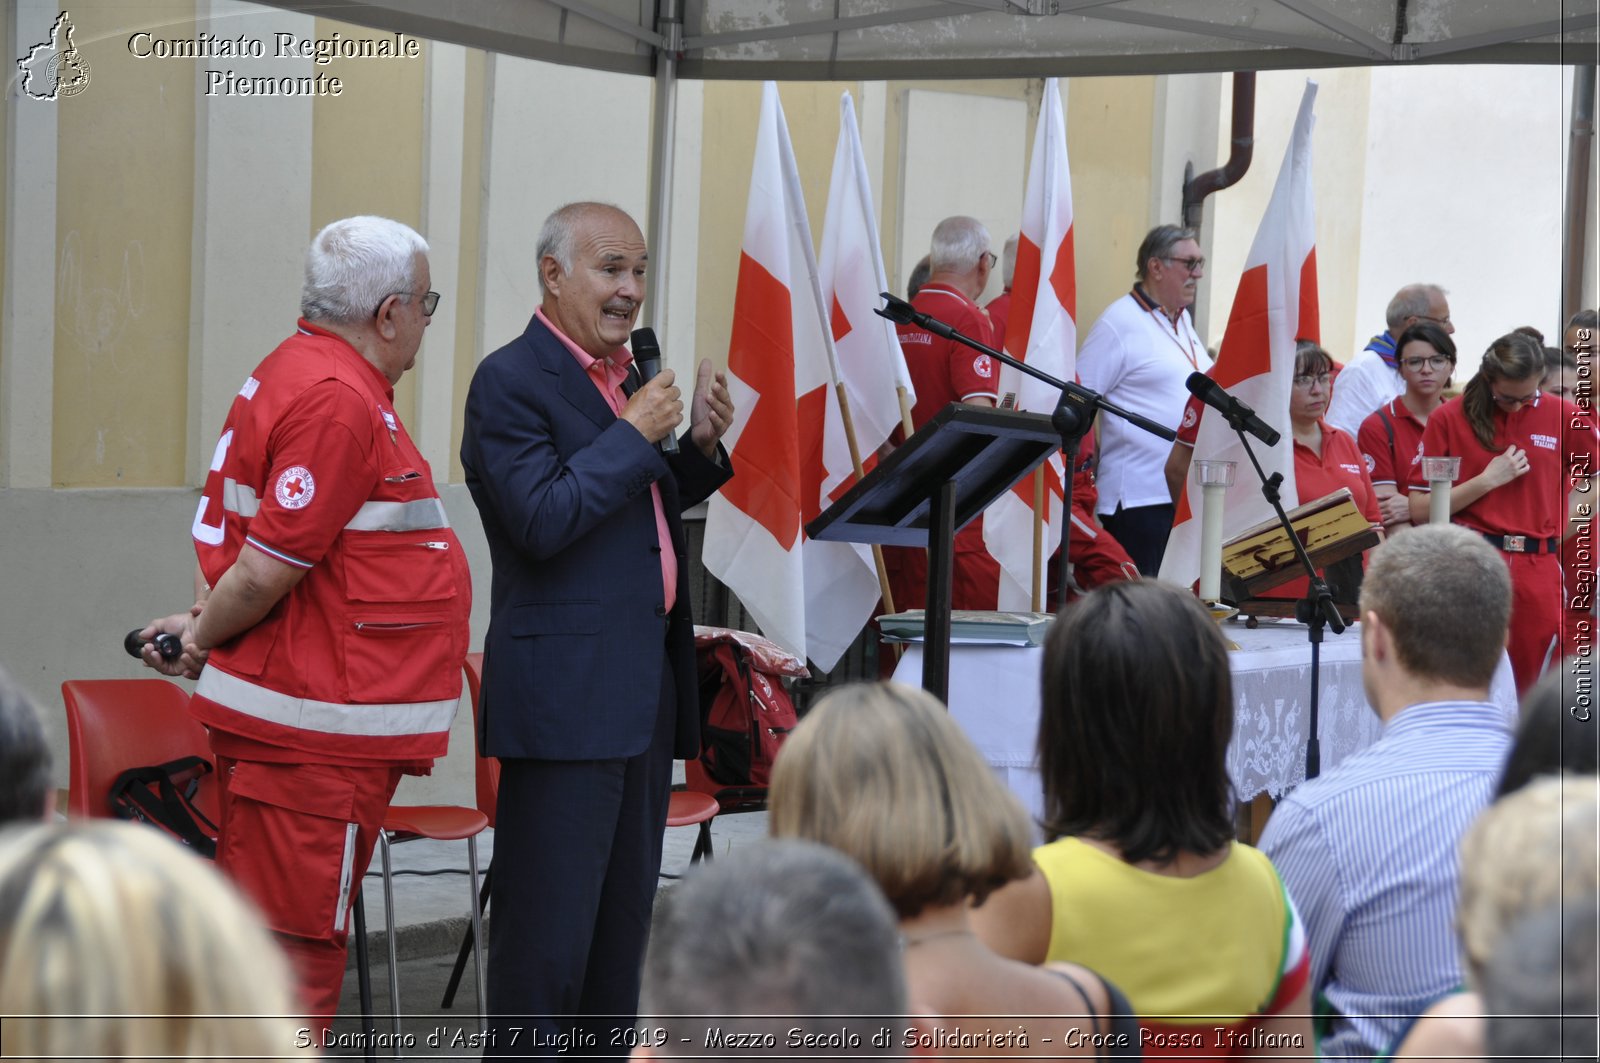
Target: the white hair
pixel 354 264
pixel 958 243
pixel 1008 260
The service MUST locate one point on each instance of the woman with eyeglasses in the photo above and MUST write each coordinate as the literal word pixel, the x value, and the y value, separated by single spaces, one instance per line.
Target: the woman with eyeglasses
pixel 1521 454
pixel 1391 438
pixel 1325 458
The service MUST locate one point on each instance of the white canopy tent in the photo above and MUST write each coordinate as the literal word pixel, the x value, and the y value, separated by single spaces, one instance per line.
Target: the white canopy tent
pixel 892 39
pixel 801 40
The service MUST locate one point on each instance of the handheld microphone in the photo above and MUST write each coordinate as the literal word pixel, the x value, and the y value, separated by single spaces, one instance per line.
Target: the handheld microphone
pixel 647 356
pixel 169 646
pixel 1238 414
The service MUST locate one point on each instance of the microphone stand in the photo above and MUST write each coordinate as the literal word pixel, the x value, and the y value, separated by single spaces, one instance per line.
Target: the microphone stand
pixel 1315 610
pixel 1072 418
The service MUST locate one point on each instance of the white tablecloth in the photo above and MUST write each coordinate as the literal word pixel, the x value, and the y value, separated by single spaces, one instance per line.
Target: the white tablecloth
pixel 994 695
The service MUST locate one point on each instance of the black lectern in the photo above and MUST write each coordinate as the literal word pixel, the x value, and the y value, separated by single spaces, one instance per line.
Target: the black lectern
pixel 943 476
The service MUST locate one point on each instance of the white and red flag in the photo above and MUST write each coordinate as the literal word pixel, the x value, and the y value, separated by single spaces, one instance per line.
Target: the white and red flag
pixel 1041 329
pixel 1276 304
pixel 868 357
pixel 810 597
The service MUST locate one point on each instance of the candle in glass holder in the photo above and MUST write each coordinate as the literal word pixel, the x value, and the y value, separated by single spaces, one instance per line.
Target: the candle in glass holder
pixel 1214 478
pixel 1440 474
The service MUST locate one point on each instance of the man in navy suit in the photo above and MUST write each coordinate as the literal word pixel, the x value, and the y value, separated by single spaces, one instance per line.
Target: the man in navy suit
pixel 589 687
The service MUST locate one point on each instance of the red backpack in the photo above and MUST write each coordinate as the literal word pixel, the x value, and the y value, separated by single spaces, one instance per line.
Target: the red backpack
pixel 745 708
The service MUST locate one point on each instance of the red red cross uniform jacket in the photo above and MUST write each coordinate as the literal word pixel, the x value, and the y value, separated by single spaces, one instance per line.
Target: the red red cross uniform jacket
pixel 361 661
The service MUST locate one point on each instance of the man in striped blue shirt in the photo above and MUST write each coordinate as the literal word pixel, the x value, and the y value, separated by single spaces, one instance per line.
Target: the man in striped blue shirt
pixel 1368 851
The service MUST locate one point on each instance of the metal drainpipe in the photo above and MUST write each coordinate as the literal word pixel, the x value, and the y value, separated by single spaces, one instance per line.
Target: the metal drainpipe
pixel 1576 222
pixel 1197 188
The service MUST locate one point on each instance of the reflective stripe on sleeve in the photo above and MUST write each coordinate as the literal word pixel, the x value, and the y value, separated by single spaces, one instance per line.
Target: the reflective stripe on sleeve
pixel 417 515
pixel 238 498
pixel 328 717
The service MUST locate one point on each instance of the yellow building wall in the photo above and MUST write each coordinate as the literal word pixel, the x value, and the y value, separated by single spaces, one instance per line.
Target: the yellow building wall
pixel 124 206
pixel 469 347
pixel 367 150
pixel 731 113
pixel 1110 133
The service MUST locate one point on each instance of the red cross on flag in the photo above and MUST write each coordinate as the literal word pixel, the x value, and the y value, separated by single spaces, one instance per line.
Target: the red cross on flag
pixel 1041 330
pixel 812 598
pixel 1276 304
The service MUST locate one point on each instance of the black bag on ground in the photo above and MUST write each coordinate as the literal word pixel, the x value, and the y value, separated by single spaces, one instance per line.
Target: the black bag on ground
pixel 163 796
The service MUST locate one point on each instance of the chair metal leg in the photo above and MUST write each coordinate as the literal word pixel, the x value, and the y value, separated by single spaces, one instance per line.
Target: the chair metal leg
pixel 468 938
pixel 369 1022
pixel 477 929
pixel 388 919
pixel 702 844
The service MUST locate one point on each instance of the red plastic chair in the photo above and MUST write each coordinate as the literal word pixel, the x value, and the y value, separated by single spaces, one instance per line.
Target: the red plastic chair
pixel 117 724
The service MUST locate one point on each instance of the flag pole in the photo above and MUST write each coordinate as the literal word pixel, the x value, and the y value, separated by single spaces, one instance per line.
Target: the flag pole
pixel 905 410
pixel 855 462
pixel 1038 539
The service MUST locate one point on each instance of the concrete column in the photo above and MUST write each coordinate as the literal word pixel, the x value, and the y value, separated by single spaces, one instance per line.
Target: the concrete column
pixel 441 226
pixel 252 220
pixel 27 305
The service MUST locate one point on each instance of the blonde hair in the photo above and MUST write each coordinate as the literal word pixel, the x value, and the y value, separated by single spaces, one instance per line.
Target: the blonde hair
pixel 1528 850
pixel 881 773
pixel 115 941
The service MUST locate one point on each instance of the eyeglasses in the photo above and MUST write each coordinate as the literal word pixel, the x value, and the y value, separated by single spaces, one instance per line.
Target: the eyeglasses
pixel 1442 322
pixel 1305 380
pixel 430 302
pixel 1193 265
pixel 988 259
pixel 1438 361
pixel 1514 400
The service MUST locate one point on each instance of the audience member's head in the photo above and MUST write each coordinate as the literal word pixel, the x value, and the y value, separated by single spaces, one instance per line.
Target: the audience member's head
pixel 1418 303
pixel 25 789
pixel 1136 714
pixel 919 276
pixel 883 774
pixel 1435 604
pixel 1535 847
pixel 778 936
pixel 1559 730
pixel 1507 377
pixel 1170 266
pixel 1008 260
pixel 1532 333
pixel 1539 986
pixel 113 919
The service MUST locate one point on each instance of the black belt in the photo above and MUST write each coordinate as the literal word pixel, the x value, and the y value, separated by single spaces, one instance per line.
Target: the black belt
pixel 1522 544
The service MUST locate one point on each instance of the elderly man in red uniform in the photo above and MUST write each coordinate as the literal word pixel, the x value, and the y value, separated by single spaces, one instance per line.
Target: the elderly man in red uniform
pixel 944 371
pixel 331 623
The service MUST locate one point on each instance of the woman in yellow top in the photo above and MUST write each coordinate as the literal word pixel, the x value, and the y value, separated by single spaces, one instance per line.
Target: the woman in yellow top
pixel 883 774
pixel 1143 881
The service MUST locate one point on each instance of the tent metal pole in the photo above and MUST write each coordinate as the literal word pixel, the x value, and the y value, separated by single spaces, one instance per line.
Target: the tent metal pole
pixel 663 134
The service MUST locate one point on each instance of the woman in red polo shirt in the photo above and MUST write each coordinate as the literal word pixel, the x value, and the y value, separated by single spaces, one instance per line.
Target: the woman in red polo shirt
pixel 1325 459
pixel 1391 438
pixel 1521 453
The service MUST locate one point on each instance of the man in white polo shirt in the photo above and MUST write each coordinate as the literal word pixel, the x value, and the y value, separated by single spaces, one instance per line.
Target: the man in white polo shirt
pixel 1138 356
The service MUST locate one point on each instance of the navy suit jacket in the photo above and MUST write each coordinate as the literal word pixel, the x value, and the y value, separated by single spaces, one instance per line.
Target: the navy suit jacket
pixel 578 629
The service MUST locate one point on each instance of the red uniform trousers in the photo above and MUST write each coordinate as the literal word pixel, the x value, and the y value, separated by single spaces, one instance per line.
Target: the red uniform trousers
pixel 297 839
pixel 1536 614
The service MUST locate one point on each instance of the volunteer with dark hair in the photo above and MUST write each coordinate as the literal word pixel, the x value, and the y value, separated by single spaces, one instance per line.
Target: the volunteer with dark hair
pixel 1142 880
pixel 1391 438
pixel 1325 458
pixel 1520 457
